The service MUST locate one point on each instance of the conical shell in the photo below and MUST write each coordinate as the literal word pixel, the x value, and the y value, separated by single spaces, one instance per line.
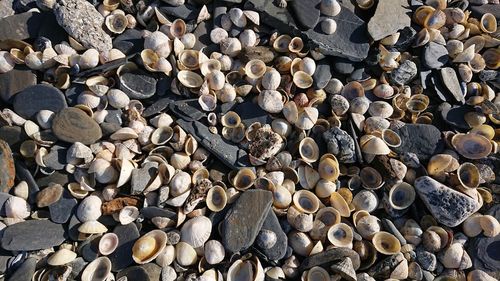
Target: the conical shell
pixel 306 201
pixel 371 144
pixel 468 175
pixel 92 227
pixel 216 199
pixel 345 269
pixel 308 150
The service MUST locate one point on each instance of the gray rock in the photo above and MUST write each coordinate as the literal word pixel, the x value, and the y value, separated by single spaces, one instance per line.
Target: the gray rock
pixel 153 271
pixel 73 225
pixel 15 81
pixel 202 33
pixel 426 260
pixel 173 237
pixel 406 38
pixel 152 211
pixel 129 42
pixel 134 273
pixel 77 266
pixel 350 40
pixel 272 228
pixel 142 177
pixel 121 257
pixel 390 16
pixel 13 135
pixel 306 12
pixel 22 173
pixel 83 22
pixel 454 115
pixel 405 73
pixel 340 144
pixel 322 75
pixel 489 75
pixel 61 211
pixel 25 271
pixel 435 55
pixel 330 255
pixel 479 11
pixel 3 198
pixel 343 65
pixel 447 205
pixel 185 12
pixel 6 8
pixel 383 269
pixel 56 158
pixel 20 26
pixel 422 139
pixel 35 98
pixel 138 85
pixel 245 219
pixel 32 235
pixel 450 81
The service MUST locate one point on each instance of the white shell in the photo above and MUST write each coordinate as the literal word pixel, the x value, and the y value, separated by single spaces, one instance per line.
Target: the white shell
pixel 271 101
pixel 185 254
pixel 89 209
pixel 6 62
pixel 237 17
pixel 271 79
pixel 180 183
pixel 214 252
pixel 128 214
pixel 117 98
pixel 196 231
pixel 329 26
pixel 17 208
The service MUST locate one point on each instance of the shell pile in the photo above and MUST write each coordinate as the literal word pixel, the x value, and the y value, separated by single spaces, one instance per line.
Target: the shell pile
pixel 134 169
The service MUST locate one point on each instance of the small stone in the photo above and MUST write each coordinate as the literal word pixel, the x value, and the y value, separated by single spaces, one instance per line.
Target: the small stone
pixel 73 225
pixel 405 73
pixel 138 85
pixel 426 260
pixel 25 271
pixel 56 158
pixel 15 81
pixel 13 135
pixel 57 177
pixel 8 170
pixel 202 33
pixel 49 195
pixel 31 100
pixel 435 55
pixel 173 237
pixel 77 266
pixel 142 177
pixel 447 205
pixel 266 239
pixel 422 139
pixel 479 11
pixel 328 256
pixel 84 23
pixel 343 65
pixel 32 235
pixel 322 75
pixel 450 81
pixel 73 125
pixel 24 174
pixel 152 211
pixel 272 225
pixel 129 42
pixel 62 209
pixel 406 37
pixel 340 144
pixel 152 270
pixel 3 198
pixel 390 16
pixel 185 12
pixel 383 269
pixel 133 273
pixel 244 221
pixel 307 12
pixel 20 26
pixel 489 75
pixel 121 257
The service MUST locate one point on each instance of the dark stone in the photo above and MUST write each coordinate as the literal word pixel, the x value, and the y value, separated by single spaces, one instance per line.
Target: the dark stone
pixel 450 81
pixel 25 271
pixel 250 112
pixel 121 257
pixel 173 237
pixel 22 173
pixel 20 26
pixel 129 42
pixel 340 144
pixel 142 177
pixel 479 11
pixel 153 271
pixel 426 260
pixel 28 235
pixel 245 219
pixel 325 258
pixel 202 33
pixel 109 128
pixel 73 92
pixel 3 198
pixel 185 12
pixel 359 74
pixel 485 255
pixel 114 116
pixel 157 107
pixel 138 85
pixel 73 225
pixel 454 115
pixel 35 98
pixel 220 9
pixel 306 12
pixel 438 88
pixel 489 75
pixel 322 75
pixel 61 211
pixel 8 169
pixel 343 65
pixel 405 73
pixel 51 30
pixel 74 125
pixel 447 206
pixel 277 251
pixel 151 212
pixel 56 158
pixel 422 139
pixel 406 38
pixel 390 16
pixel 435 55
pixel 13 135
pixel 61 178
pixel 77 266
pixel 350 40
pixel 15 81
pixel 134 273
pixel 89 249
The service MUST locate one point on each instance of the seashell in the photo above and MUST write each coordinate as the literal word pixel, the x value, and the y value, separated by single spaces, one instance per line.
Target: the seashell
pixel 477 63
pixel 371 144
pixel 103 170
pixel 271 101
pixel 92 227
pixel 307 118
pixel 328 26
pixel 384 91
pixel 488 23
pixel 248 38
pixel 178 28
pixel 434 238
pixel 338 202
pixel 7 62
pixel 89 59
pixel 281 43
pixel 246 270
pixel 454 48
pixel 17 208
pixel 159 43
pixel 226 94
pixel 237 17
pixel 386 243
pixel 296 45
pixel 308 177
pixel 216 199
pixel 380 109
pixel 307 65
pixel 389 40
pixel 190 79
pixel 196 231
pixel 149 246
pixel 252 16
pixel 472 226
pixel 471 146
pixel 255 68
pixel 330 7
pixel 316 273
pixel 300 243
pixel 340 235
pixel 466 55
pixel 489 225
pixel 230 46
pixel 97 270
pixel 108 243
pixel 367 226
pixel 189 59
pixel 217 35
pixel 116 23
pixel 117 98
pixel 353 90
pixel 271 79
pixel 111 55
pixel 308 150
pixel 61 257
pixel 185 254
pixel 468 175
pixel 306 201
pixel 435 19
pixel 89 209
pixel 244 179
pixel 401 196
pixel 456 257
pixel 216 80
pixel 492 58
pixel 365 200
pixel 328 169
pixel 371 178
pixel 214 252
pixel 162 135
pixel 128 214
pixel 207 102
pixel 465 72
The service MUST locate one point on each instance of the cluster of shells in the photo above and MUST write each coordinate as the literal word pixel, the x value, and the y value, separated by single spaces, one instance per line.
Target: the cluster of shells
pixel 327 203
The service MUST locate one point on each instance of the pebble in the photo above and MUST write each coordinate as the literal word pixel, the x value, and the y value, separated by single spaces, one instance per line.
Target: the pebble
pixel 426 260
pixel 3 198
pixel 435 55
pixel 152 211
pixel 322 75
pixel 77 265
pixel 307 12
pixel 24 174
pixel 8 170
pixel 20 26
pixel 62 209
pixel 422 139
pixel 137 85
pixel 15 81
pixel 13 135
pixel 390 16
pixel 73 125
pixel 405 73
pixel 129 42
pixel 447 205
pixel 343 65
pixel 84 23
pixel 340 144
pixel 27 235
pixel 38 97
pixel 6 8
pixel 141 178
pixel 451 82
pixel 406 38
pixel 185 12
pixel 25 271
pixel 330 255
pixel 152 270
pixel 133 273
pixel 56 158
pixel 272 228
pixel 244 221
pixel 121 257
pixel 49 195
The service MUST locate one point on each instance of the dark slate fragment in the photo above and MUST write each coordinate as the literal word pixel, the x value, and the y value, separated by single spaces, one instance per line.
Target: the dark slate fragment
pixel 22 173
pixel 322 75
pixel 77 266
pixel 35 98
pixel 3 198
pixel 185 12
pixel 479 11
pixel 325 258
pixel 89 249
pixel 56 158
pixel 202 33
pixel 244 221
pixel 142 177
pixel 61 178
pixel 343 65
pixel 454 115
pixel 61 211
pixel 157 107
pixel 152 211
pixel 404 73
pixel 25 271
pixel 26 235
pixel 406 38
pixel 73 92
pixel 340 144
pixel 121 257
pixel 435 55
pixel 138 85
pixel 278 251
pixel 13 135
pixel 129 42
pixel 306 12
pixel 133 273
pixel 422 139
pixel 15 81
pixel 21 26
pixel 73 225
pixel 251 112
pixel 485 255
pixel 438 88
pixel 153 270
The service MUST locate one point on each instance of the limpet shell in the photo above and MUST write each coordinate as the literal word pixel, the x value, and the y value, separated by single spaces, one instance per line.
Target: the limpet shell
pixel 328 169
pixel 330 7
pixel 7 62
pixel 373 145
pixel 329 26
pixel 306 201
pixel 338 202
pixel 401 196
pixel 386 243
pixel 488 23
pixel 92 227
pixel 216 199
pixel 116 23
pixel 471 146
pixel 128 214
pixel 340 235
pixel 468 175
pixel 149 246
pixel 371 178
pixel 255 68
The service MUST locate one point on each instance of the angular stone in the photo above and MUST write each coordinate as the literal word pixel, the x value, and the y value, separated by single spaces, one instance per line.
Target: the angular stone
pixel 306 12
pixel 244 221
pixel 56 158
pixel 35 98
pixel 322 75
pixel 405 73
pixel 138 85
pixel 202 33
pixel 21 26
pixel 15 81
pixel 73 125
pixel 25 271
pixel 6 8
pixel 77 266
pixel 426 260
pixel 406 37
pixel 185 12
pixel 447 205
pixel 24 174
pixel 121 257
pixel 73 225
pixel 479 11
pixel 13 135
pixel 142 177
pixel 451 82
pixel 117 204
pixel 277 251
pixel 343 65
pixel 32 235
pixel 84 23
pixel 422 139
pixel 454 115
pixel 62 209
pixel 153 271
pixel 390 16
pixel 340 144
pixel 129 42
pixel 435 55
pixel 152 211
pixel 8 169
pixel 328 256
pixel 134 273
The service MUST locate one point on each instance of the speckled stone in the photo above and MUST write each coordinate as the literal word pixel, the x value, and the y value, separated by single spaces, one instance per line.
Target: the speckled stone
pixel 340 144
pixel 62 209
pixel 421 139
pixel 405 73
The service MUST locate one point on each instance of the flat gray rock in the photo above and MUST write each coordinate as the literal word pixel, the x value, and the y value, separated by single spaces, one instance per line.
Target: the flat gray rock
pixel 435 55
pixel 422 139
pixel 278 250
pixel 121 257
pixel 15 81
pixel 32 235
pixel 83 22
pixel 28 102
pixel 446 205
pixel 451 82
pixel 25 271
pixel 63 208
pixel 328 256
pixel 6 8
pixel 390 16
pixel 138 85
pixel 322 75
pixel 306 12
pixel 244 221
pixel 185 12
pixel 21 26
pixel 142 177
